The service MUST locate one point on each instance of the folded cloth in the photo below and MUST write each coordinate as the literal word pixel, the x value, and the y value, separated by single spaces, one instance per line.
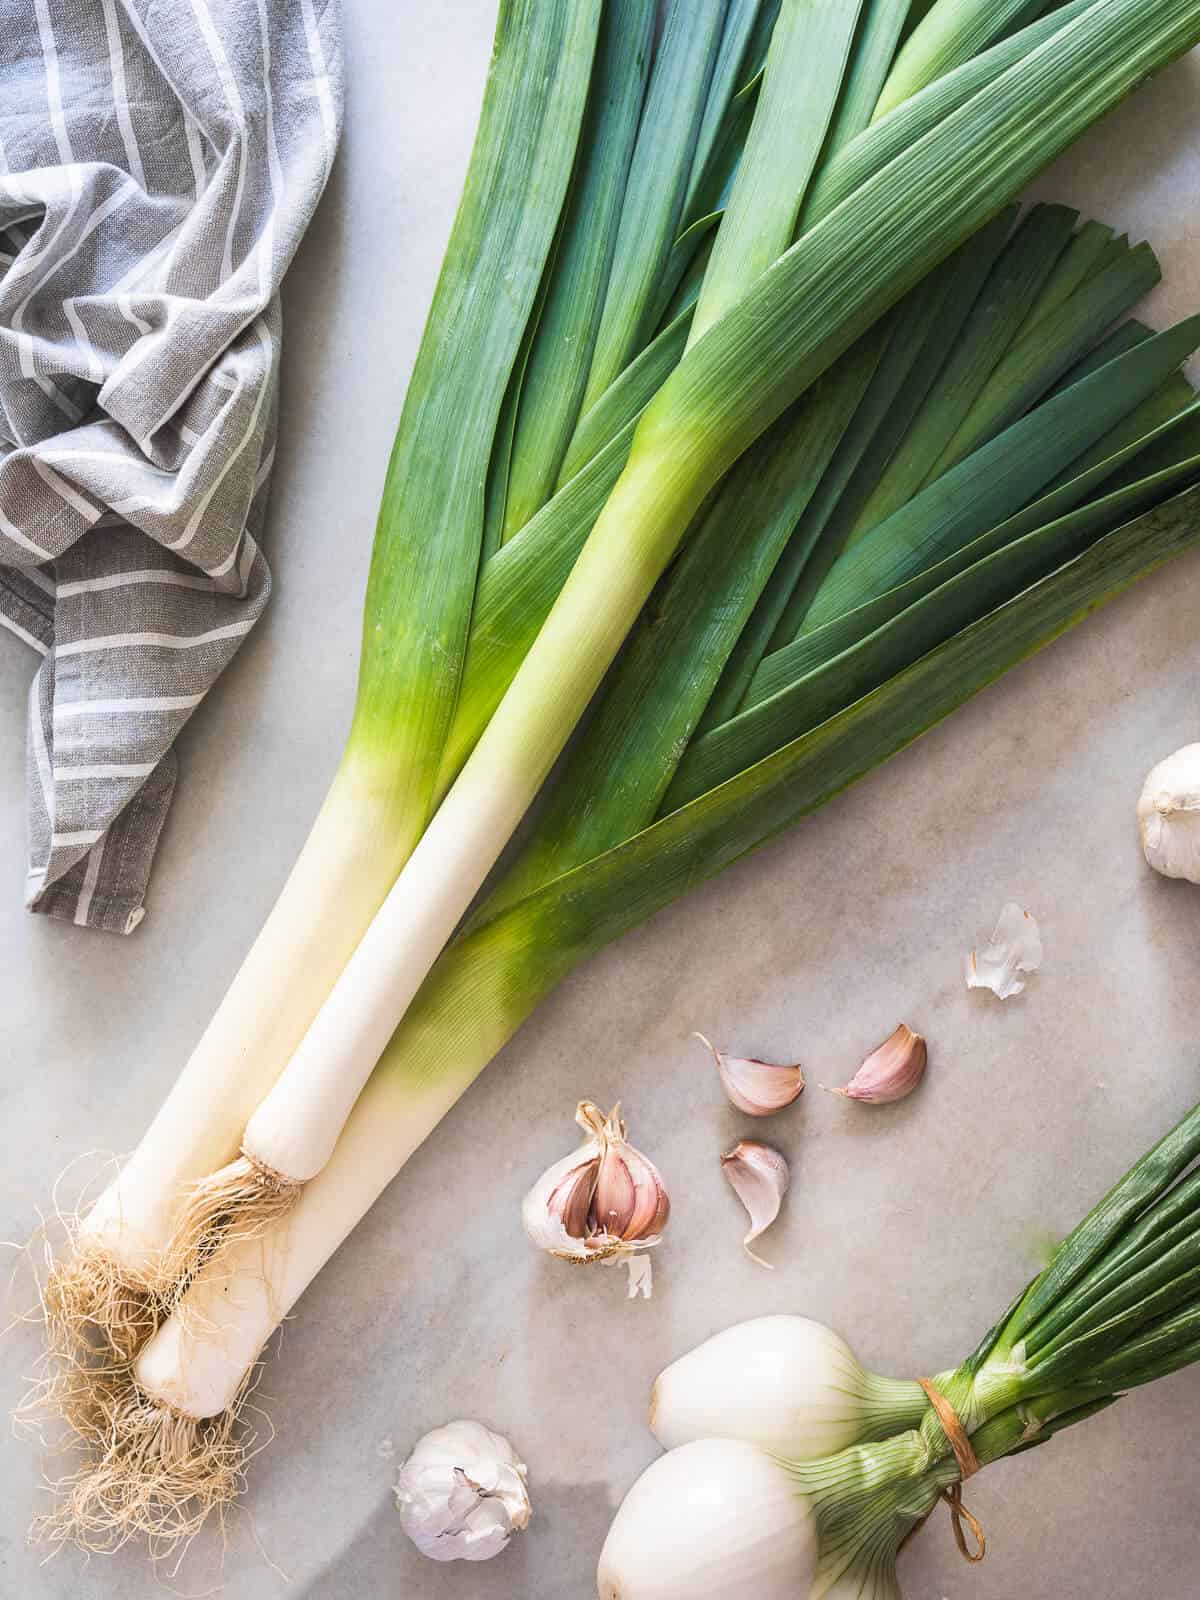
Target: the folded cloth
pixel 159 162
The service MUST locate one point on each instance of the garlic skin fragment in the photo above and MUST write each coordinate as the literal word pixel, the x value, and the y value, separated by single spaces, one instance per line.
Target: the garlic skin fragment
pixel 785 1383
pixel 759 1176
pixel 604 1201
pixel 712 1519
pixel 759 1088
pixel 1015 947
pixel 1168 813
pixel 461 1493
pixel 891 1071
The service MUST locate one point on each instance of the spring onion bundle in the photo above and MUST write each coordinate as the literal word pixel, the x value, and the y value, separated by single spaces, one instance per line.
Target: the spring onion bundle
pixel 791 1466
pixel 750 471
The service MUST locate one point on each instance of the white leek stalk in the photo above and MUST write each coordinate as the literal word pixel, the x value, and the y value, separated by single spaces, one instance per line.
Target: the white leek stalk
pixel 787 1384
pixel 127 1250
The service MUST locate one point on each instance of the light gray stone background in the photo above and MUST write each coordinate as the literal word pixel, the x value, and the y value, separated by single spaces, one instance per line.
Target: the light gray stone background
pixel 908 1228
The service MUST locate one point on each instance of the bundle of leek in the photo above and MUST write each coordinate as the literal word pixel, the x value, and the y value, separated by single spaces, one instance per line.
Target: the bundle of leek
pixel 793 1469
pixel 899 454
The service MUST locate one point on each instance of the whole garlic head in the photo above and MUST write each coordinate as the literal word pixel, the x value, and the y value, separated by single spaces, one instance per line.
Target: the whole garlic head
pixel 1169 815
pixel 461 1493
pixel 603 1201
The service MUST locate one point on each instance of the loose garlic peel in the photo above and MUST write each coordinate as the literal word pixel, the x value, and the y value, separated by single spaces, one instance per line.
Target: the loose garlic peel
pixel 1014 948
pixel 1168 813
pixel 604 1202
pixel 759 1176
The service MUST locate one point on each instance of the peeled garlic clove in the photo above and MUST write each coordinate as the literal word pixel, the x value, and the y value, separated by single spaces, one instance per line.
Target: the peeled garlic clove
pixel 461 1493
pixel 605 1200
pixel 891 1071
pixel 1168 814
pixel 759 1088
pixel 759 1176
pixel 1015 947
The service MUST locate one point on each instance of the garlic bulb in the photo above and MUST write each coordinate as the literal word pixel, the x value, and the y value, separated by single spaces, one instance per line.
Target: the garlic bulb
pixel 787 1384
pixel 759 1177
pixel 461 1493
pixel 891 1071
pixel 1168 814
pixel 759 1088
pixel 714 1519
pixel 604 1201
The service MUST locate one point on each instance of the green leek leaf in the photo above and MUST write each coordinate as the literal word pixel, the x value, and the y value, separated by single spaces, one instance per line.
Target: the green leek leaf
pixel 426 555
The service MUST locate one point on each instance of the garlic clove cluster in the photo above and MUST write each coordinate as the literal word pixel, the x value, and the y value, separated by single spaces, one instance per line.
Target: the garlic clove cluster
pixel 603 1201
pixel 891 1071
pixel 461 1494
pixel 759 1088
pixel 1168 813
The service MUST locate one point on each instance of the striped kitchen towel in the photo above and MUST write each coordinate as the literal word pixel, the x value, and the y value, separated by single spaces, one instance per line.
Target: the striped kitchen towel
pixel 159 162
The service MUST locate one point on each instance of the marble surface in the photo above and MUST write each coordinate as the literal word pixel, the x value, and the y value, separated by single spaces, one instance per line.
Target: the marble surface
pixel 907 1228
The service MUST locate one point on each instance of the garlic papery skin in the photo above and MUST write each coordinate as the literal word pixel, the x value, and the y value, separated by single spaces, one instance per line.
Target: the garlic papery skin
pixel 1014 948
pixel 759 1176
pixel 1168 813
pixel 603 1201
pixel 891 1071
pixel 759 1088
pixel 787 1384
pixel 461 1493
pixel 715 1520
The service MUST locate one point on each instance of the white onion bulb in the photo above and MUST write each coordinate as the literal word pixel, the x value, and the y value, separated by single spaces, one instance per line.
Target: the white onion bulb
pixel 714 1520
pixel 786 1384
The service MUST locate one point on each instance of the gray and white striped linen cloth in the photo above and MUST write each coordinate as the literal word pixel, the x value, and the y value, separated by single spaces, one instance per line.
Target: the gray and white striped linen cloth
pixel 159 162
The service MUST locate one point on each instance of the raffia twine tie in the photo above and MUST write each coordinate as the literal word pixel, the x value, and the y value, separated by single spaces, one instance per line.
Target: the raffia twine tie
pixel 968 1466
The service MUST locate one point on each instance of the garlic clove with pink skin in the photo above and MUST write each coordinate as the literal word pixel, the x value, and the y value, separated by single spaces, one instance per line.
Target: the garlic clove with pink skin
pixel 759 1088
pixel 891 1071
pixel 604 1201
pixel 759 1176
pixel 630 1201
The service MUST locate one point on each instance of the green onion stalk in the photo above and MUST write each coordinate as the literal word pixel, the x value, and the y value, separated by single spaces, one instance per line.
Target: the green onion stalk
pixel 746 1491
